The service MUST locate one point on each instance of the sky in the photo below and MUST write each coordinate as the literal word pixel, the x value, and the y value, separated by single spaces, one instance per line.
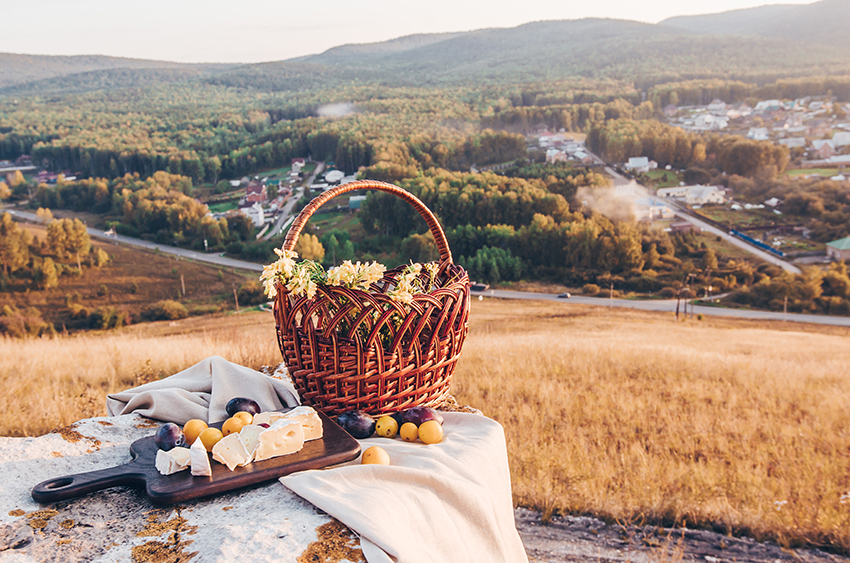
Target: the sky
pixel 231 31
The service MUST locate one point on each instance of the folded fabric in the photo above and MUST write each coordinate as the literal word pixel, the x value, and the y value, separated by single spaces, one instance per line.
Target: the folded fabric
pixel 437 503
pixel 202 391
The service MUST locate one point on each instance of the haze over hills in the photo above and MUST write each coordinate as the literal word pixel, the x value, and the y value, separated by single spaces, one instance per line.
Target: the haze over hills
pixel 757 44
pixel 823 23
pixel 21 69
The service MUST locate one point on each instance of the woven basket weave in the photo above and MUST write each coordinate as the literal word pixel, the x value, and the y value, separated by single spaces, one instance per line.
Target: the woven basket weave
pixel 351 349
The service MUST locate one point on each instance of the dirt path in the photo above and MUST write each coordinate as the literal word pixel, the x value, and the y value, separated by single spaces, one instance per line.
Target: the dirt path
pixel 581 539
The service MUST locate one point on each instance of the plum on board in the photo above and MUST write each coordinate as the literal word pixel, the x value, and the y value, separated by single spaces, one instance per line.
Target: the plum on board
pixel 418 415
pixel 238 404
pixel 169 436
pixel 357 423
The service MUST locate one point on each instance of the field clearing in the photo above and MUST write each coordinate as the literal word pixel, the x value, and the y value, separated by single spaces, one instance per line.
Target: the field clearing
pixel 736 425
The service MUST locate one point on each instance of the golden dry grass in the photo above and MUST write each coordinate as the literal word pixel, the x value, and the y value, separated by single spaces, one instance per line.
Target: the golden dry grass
pixel 626 415
pixel 633 416
pixel 54 382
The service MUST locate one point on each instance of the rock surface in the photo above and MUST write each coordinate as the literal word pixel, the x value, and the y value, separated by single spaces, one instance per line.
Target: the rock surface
pixel 269 523
pixel 120 524
pixel 581 539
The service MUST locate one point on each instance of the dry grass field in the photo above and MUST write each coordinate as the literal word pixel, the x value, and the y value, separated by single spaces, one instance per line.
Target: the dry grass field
pixel 739 426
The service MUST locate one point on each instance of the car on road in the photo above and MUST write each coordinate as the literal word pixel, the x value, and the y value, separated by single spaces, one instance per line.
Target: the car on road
pixel 565 295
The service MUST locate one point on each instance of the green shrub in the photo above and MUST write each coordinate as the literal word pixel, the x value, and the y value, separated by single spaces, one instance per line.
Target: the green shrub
pixel 166 310
pixel 590 289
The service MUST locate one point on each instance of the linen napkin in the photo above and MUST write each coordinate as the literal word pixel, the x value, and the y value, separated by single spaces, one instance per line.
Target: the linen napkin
pixel 202 391
pixel 436 503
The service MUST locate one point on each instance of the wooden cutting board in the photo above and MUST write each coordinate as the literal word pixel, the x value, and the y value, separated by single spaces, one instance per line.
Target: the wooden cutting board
pixel 335 446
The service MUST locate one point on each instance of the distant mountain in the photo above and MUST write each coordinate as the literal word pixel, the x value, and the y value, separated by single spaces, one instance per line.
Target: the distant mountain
pixel 21 69
pixel 763 43
pixel 823 23
pixel 599 48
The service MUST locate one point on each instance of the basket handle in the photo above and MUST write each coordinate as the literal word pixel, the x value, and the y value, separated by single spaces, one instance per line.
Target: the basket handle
pixel 436 230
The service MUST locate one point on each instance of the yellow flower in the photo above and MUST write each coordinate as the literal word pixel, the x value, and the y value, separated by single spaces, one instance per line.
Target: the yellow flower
pixel 279 271
pixel 301 283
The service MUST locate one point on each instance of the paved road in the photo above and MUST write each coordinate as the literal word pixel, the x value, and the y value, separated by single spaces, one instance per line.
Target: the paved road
pixel 619 180
pixel 668 305
pixel 283 219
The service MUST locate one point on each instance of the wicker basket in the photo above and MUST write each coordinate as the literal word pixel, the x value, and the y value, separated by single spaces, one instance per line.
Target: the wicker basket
pixel 350 349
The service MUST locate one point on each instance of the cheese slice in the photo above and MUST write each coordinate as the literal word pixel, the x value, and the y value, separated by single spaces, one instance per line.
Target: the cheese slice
pixel 230 451
pixel 172 461
pixel 284 437
pixel 200 459
pixel 268 417
pixel 309 419
pixel 250 437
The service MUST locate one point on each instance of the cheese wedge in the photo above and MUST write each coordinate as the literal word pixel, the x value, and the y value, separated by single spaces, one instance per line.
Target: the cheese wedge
pixel 200 459
pixel 268 417
pixel 309 419
pixel 250 437
pixel 230 451
pixel 283 438
pixel 172 461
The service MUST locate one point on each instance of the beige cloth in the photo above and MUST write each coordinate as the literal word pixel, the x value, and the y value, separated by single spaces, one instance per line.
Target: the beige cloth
pixel 202 391
pixel 436 503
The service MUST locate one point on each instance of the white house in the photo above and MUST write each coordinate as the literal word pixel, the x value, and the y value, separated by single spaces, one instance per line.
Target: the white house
pixel 758 134
pixel 694 195
pixel 793 142
pixel 255 214
pixel 710 122
pixel 718 107
pixel 841 139
pixel 768 105
pixel 640 164
pixel 554 155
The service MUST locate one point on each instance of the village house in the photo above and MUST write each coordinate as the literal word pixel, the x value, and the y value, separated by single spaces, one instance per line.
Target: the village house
pixel 694 195
pixel 670 110
pixel 822 149
pixel 710 122
pixel 641 164
pixel 297 164
pixel 255 214
pixel 838 249
pixel 818 128
pixel 793 142
pixel 255 192
pixel 758 133
pixel 717 107
pixel 768 105
pixel 841 139
pixel 648 209
pixel 554 155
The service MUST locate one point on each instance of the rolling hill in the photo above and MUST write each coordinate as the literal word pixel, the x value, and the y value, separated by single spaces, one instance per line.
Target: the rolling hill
pixel 757 44
pixel 822 23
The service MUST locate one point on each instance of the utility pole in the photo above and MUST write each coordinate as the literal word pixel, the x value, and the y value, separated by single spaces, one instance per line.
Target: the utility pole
pixel 236 298
pixel 183 284
pixel 611 295
pixel 785 309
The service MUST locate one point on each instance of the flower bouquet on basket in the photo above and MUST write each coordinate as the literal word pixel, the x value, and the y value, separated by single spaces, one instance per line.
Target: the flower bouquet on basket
pixel 359 336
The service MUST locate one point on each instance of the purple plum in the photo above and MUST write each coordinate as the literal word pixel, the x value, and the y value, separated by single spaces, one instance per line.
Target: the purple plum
pixel 418 415
pixel 240 404
pixel 169 436
pixel 357 423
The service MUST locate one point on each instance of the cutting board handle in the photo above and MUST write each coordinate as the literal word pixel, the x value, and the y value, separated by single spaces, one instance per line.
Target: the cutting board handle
pixel 80 484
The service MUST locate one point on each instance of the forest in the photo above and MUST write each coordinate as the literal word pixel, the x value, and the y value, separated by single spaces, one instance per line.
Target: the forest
pixel 143 153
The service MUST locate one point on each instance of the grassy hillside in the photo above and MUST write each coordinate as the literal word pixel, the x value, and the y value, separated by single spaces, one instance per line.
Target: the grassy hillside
pixel 132 280
pixel 627 415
